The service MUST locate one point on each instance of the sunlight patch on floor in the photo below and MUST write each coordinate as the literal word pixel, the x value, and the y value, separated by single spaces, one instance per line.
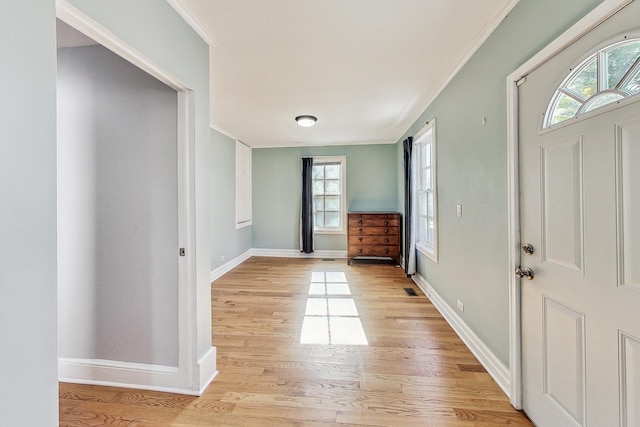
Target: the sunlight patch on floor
pixel 330 316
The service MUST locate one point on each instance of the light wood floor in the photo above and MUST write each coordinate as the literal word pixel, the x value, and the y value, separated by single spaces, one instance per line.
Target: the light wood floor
pixel 414 371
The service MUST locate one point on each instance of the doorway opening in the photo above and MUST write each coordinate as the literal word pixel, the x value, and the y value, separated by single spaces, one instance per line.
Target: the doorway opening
pixel 124 188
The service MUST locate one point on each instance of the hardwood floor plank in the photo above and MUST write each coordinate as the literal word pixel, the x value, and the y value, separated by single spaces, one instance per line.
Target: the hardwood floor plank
pixel 413 371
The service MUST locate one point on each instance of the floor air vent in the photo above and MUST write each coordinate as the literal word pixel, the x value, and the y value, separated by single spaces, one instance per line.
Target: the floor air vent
pixel 411 292
pixel 328 259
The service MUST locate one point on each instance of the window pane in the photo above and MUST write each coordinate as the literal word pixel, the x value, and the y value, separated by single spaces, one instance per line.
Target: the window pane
pixel 565 109
pixel 426 159
pixel 431 231
pixel 332 220
pixel 332 172
pixel 422 230
pixel 426 179
pixel 422 203
pixel 585 82
pixel 602 100
pixel 318 217
pixel 633 85
pixel 332 203
pixel 318 187
pixel 430 204
pixel 332 186
pixel 318 204
pixel 619 60
pixel 318 172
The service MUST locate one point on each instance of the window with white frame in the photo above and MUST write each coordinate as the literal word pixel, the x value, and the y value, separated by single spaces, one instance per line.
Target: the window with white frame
pixel 426 199
pixel 329 211
pixel 606 77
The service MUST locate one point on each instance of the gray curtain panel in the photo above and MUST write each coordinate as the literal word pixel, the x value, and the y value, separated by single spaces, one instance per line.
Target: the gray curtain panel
pixel 409 240
pixel 306 220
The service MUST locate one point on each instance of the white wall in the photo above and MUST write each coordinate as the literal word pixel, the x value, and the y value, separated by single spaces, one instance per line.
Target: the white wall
pixel 28 362
pixel 117 211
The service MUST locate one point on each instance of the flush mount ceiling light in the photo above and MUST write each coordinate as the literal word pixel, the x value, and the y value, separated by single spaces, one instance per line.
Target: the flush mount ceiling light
pixel 306 121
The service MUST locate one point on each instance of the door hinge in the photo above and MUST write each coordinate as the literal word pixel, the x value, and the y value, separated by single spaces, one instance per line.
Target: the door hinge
pixel 182 252
pixel 521 81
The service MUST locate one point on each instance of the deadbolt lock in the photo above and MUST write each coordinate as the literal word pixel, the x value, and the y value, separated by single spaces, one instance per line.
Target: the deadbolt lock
pixel 527 248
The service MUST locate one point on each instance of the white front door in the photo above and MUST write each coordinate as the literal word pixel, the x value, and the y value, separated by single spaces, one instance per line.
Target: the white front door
pixel 580 211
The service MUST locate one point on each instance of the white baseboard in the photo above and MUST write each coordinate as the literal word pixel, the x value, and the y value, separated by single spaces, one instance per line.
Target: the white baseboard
pixel 498 371
pixel 230 265
pixel 137 375
pixel 123 374
pixel 295 253
pixel 208 369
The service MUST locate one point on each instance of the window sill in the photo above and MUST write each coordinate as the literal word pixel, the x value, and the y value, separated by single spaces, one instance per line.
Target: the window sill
pixel 430 253
pixel 329 232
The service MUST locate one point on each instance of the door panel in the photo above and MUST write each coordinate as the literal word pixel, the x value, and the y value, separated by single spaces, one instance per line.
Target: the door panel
pixel 580 209
pixel 628 187
pixel 562 207
pixel 630 380
pixel 564 355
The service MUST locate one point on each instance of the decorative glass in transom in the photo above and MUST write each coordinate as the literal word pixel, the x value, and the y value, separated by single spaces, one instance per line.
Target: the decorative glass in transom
pixel 604 78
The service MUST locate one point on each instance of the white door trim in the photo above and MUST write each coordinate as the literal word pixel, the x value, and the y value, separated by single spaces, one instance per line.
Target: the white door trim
pixel 603 11
pixel 187 376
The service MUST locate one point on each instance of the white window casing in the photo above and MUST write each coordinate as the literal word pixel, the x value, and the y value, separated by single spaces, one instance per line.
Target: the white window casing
pixel 425 219
pixel 329 194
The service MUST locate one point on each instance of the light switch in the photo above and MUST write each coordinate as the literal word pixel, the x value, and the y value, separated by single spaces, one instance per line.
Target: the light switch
pixel 459 210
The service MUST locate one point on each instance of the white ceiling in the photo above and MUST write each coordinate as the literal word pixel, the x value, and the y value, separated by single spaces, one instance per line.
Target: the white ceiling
pixel 366 68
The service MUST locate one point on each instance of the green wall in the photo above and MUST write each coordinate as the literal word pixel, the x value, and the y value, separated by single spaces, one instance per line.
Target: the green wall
pixel 472 168
pixel 28 365
pixel 277 174
pixel 28 326
pixel 226 240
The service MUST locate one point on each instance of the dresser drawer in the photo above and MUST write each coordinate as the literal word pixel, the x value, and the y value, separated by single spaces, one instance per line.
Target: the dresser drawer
pixel 374 240
pixel 378 251
pixel 374 222
pixel 373 231
pixel 373 215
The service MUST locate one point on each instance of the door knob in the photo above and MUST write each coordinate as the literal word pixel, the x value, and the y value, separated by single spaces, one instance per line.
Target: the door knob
pixel 524 273
pixel 527 249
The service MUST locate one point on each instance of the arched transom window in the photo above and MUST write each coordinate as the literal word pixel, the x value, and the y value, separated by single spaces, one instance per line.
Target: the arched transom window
pixel 607 76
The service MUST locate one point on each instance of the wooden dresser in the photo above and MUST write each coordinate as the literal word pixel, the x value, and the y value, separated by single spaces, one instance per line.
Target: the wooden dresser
pixel 374 234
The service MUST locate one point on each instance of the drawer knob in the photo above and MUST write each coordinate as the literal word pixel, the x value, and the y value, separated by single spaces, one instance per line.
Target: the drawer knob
pixel 360 230
pixel 359 251
pixel 386 230
pixel 386 240
pixel 386 251
pixel 359 239
pixel 360 222
pixel 386 223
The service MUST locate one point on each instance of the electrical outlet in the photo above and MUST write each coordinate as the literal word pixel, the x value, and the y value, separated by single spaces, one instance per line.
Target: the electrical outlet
pixel 460 305
pixel 459 210
pixel 222 258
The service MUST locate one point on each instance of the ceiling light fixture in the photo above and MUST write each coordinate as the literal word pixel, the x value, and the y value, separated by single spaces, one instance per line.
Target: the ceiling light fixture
pixel 306 121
